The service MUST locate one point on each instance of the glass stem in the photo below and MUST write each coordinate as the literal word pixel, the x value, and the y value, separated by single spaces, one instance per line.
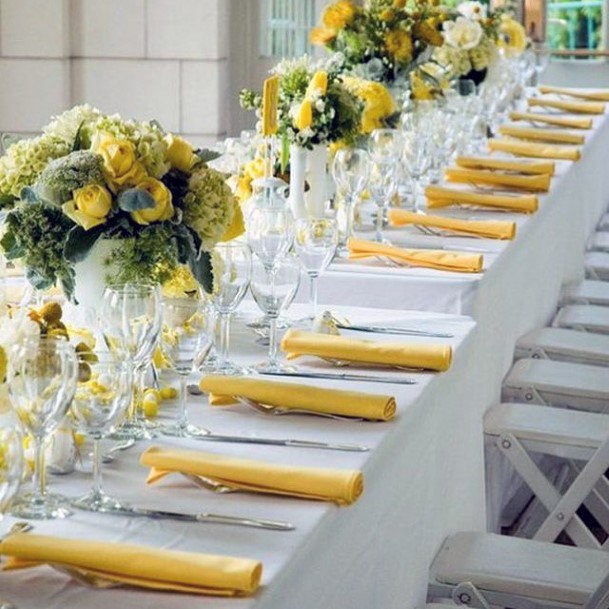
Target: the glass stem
pixel 379 223
pixel 39 469
pixel 313 295
pixel 224 336
pixel 182 412
pixel 97 467
pixel 349 213
pixel 138 396
pixel 272 340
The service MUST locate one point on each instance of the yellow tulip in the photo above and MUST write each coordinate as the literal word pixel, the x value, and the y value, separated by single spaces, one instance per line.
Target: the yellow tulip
pixel 120 165
pixel 89 206
pixel 303 118
pixel 318 84
pixel 163 209
pixel 180 154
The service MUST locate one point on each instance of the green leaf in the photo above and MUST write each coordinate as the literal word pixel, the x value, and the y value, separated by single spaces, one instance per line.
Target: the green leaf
pixel 201 268
pixel 207 155
pixel 29 195
pixel 37 279
pixel 78 139
pixel 6 201
pixel 158 125
pixel 68 285
pixel 11 246
pixel 134 199
pixel 185 244
pixel 80 241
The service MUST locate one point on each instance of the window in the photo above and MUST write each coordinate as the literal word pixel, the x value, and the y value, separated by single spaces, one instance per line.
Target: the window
pixel 576 24
pixel 285 27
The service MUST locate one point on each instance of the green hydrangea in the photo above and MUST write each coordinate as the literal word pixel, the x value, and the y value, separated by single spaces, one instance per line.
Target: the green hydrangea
pixel 148 139
pixel 24 161
pixel 63 176
pixel 209 205
pixel 481 55
pixel 455 60
pixel 66 125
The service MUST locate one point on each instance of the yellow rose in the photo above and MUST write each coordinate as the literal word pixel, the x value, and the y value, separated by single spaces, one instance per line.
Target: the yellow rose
pixel 303 118
pixel 318 84
pixel 321 35
pixel 163 209
pixel 338 15
pixel 180 154
pixel 89 206
pixel 237 225
pixel 399 44
pixel 120 165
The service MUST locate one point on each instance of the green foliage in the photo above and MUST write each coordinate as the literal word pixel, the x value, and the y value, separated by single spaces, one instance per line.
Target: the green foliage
pixel 134 199
pixel 80 241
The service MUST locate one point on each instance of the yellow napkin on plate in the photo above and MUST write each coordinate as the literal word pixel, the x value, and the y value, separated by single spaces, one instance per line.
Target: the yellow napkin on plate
pixel 544 135
pixel 431 259
pixel 141 566
pixel 534 183
pixel 439 196
pixel 544 151
pixel 597 95
pixel 477 228
pixel 296 343
pixel 291 395
pixel 341 486
pixel 580 107
pixel 560 121
pixel 525 166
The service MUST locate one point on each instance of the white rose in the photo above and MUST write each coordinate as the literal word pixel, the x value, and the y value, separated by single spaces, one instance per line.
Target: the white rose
pixel 475 11
pixel 462 33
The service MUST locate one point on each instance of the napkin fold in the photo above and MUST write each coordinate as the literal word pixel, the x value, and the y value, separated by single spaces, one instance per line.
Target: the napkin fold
pixel 533 183
pixel 529 167
pixel 292 395
pixel 476 228
pixel 340 486
pixel 557 136
pixel 560 121
pixel 431 259
pixel 580 107
pixel 598 95
pixel 439 196
pixel 141 566
pixel 530 149
pixel 296 343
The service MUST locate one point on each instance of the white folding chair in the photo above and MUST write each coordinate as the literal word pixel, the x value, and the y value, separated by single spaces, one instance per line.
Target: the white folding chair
pixel 585 318
pixel 586 292
pixel 598 242
pixel 560 384
pixel 580 442
pixel 597 265
pixel 563 345
pixel 483 569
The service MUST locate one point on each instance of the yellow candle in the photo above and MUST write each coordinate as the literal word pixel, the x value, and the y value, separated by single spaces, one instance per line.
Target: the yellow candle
pixel 270 95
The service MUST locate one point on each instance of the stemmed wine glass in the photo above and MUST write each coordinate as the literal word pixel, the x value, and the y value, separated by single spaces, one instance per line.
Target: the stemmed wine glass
pixel 383 186
pixel 42 376
pixel 273 290
pixel 101 399
pixel 315 243
pixel 130 318
pixel 416 158
pixel 185 343
pixel 232 274
pixel 351 171
pixel 270 233
pixel 542 60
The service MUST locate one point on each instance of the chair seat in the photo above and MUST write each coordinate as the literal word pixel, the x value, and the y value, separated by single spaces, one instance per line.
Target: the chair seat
pixel 521 567
pixel 587 292
pixel 534 423
pixel 597 265
pixel 590 318
pixel 560 344
pixel 599 242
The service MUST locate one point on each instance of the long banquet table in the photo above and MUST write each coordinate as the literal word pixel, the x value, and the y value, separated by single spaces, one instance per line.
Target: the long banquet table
pixel 424 477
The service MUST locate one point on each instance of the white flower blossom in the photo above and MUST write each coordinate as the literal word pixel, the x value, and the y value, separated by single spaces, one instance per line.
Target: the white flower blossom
pixel 473 10
pixel 462 33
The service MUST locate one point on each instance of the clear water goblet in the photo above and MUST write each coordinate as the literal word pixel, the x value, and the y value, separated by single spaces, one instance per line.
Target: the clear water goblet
pixel 383 186
pixel 270 233
pixel 417 159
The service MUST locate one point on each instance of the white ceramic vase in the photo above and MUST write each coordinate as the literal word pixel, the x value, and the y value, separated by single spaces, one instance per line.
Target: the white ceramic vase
pixel 310 166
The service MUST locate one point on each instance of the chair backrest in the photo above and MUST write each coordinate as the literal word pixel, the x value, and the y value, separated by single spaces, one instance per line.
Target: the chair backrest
pixel 600 598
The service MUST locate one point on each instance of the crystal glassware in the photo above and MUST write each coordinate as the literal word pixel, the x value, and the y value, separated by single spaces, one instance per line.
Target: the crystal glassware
pixel 185 344
pixel 232 273
pixel 273 290
pixel 315 243
pixel 101 399
pixel 417 160
pixel 351 171
pixel 270 233
pixel 383 186
pixel 42 376
pixel 130 320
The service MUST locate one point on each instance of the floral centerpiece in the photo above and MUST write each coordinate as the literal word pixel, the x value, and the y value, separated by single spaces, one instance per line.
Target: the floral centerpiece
pixel 90 179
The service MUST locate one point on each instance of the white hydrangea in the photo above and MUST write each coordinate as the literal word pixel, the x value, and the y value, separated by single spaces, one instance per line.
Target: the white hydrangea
pixel 462 34
pixel 66 125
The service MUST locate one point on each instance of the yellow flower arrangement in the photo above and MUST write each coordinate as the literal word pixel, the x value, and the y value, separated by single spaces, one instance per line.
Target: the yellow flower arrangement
pixel 378 102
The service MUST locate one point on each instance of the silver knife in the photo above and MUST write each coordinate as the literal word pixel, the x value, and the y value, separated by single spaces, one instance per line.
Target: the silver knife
pixel 208 518
pixel 402 331
pixel 358 448
pixel 452 248
pixel 341 376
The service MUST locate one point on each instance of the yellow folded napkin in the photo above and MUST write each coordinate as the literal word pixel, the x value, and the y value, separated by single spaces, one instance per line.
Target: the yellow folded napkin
pixel 141 566
pixel 431 259
pixel 291 395
pixel 534 183
pixel 543 135
pixel 296 343
pixel 560 121
pixel 341 486
pixel 477 228
pixel 580 107
pixel 439 196
pixel 543 151
pixel 528 167
pixel 599 95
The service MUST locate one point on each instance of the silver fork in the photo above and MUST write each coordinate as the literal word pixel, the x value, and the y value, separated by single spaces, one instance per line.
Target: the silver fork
pixel 277 411
pixel 84 578
pixel 209 484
